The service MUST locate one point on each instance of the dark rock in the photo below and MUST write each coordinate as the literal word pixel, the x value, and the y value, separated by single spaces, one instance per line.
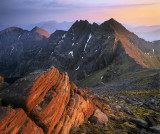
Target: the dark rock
pixel 139 122
pixel 155 129
pixel 133 101
pixel 126 109
pixel 143 131
pixel 3 85
pixel 151 121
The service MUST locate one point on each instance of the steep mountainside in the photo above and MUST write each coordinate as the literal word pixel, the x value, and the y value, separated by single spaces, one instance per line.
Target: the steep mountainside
pixel 86 49
pixel 17 47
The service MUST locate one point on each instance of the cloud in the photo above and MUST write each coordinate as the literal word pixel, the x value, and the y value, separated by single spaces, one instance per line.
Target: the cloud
pixel 38 10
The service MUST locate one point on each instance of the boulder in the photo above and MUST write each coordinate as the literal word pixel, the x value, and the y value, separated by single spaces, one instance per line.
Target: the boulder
pixel 143 131
pixel 155 129
pixel 139 122
pixel 151 121
pixel 99 118
pixel 126 109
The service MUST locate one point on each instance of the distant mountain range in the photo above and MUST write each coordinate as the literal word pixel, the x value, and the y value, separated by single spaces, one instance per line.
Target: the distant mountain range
pixel 106 51
pixel 50 26
pixel 148 33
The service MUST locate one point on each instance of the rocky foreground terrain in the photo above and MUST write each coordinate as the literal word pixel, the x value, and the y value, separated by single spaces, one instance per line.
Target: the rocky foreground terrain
pixel 48 102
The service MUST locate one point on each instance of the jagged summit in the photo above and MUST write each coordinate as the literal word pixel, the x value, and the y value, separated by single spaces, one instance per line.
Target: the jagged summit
pixel 80 24
pixel 40 31
pixel 116 26
pixel 35 28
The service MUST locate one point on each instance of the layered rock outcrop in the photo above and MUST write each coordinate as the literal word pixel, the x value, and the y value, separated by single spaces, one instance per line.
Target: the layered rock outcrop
pixel 53 102
pixel 16 122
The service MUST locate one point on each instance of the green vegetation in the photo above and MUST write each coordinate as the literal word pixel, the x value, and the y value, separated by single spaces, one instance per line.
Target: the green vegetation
pixel 135 93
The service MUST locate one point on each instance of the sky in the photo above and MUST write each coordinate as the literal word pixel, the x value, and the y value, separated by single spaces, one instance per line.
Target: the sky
pixel 134 12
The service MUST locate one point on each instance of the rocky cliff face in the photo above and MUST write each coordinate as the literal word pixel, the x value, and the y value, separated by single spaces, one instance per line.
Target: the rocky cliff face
pixel 50 100
pixel 83 50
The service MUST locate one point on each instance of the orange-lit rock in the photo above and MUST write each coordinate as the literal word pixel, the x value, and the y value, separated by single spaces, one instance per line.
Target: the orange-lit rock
pixel 41 32
pixel 16 122
pixel 1 79
pixel 51 100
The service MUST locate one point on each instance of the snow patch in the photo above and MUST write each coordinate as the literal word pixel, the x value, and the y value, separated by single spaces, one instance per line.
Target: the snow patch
pixel 40 51
pixel 72 44
pixel 60 41
pixel 12 50
pixel 51 53
pixel 147 53
pixel 40 71
pixel 73 33
pixel 95 50
pixel 82 57
pixel 19 37
pixel 71 52
pixel 90 36
pixel 64 36
pixel 77 68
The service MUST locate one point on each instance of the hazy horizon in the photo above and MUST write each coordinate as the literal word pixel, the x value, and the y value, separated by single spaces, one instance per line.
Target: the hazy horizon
pixel 130 12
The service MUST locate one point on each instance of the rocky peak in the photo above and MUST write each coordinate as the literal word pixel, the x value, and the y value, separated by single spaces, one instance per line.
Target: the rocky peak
pixel 41 32
pixel 81 22
pixel 115 25
pixel 35 28
pixel 80 25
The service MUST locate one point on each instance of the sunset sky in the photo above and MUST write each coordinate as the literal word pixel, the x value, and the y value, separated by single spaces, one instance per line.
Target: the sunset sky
pixel 135 12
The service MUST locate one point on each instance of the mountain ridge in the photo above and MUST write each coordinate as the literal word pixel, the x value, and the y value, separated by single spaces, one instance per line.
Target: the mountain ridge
pixel 86 48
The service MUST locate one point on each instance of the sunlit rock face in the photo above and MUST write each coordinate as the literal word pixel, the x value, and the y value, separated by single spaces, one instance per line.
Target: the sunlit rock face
pixel 53 102
pixel 13 121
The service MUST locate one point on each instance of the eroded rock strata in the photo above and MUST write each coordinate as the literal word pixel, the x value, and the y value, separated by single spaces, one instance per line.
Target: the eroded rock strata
pixel 15 121
pixel 53 102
